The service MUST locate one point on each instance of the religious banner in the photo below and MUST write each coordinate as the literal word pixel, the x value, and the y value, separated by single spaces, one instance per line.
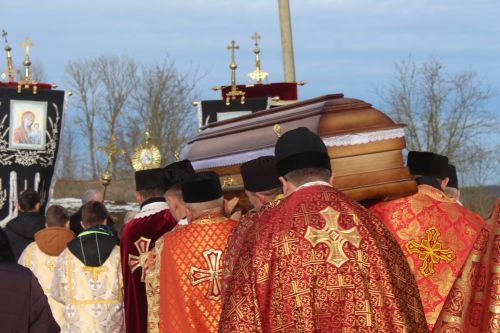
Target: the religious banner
pixel 30 127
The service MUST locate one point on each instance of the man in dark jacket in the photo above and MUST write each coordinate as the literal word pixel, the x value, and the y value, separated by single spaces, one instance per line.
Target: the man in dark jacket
pixel 23 304
pixel 21 229
pixel 76 219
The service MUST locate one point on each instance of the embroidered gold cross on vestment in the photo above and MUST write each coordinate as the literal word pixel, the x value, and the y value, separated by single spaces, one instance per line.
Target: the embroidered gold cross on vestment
pixel 333 236
pixel 135 262
pixel 430 251
pixel 212 274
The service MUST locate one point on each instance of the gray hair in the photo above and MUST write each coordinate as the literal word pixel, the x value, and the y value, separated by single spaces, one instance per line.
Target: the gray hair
pixel 89 195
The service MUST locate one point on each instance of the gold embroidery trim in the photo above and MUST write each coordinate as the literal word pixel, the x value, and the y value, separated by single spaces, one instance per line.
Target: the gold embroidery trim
pixel 430 251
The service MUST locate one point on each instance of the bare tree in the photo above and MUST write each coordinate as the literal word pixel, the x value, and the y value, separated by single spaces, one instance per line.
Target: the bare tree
pixel 83 81
pixel 69 159
pixel 164 106
pixel 118 76
pixel 444 113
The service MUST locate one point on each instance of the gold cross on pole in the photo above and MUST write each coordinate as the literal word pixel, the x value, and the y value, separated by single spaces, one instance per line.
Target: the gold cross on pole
pixel 334 237
pixel 27 44
pixel 257 75
pixel 111 150
pixel 234 93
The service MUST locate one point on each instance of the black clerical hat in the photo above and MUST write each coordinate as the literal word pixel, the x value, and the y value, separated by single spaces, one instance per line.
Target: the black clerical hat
pixel 452 175
pixel 260 174
pixel 425 163
pixel 202 187
pixel 299 149
pixel 149 179
pixel 177 173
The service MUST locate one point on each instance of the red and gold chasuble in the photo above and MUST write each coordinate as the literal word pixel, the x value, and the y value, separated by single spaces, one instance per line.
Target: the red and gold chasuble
pixel 189 281
pixel 237 239
pixel 473 304
pixel 436 234
pixel 137 238
pixel 320 262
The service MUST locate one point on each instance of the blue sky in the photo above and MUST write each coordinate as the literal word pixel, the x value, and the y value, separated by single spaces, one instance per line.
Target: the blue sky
pixel 347 46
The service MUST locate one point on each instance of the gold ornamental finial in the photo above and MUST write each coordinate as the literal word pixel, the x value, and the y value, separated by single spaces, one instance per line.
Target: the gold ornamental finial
pixel 146 156
pixel 27 44
pixel 234 93
pixel 258 74
pixel 7 48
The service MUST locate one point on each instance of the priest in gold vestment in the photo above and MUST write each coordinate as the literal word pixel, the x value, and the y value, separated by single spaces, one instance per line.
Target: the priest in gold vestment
pixel 88 279
pixel 434 231
pixel 318 262
pixel 186 264
pixel 41 255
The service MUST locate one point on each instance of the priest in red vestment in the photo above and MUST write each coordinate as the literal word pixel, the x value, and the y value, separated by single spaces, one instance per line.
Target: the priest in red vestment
pixel 435 232
pixel 188 262
pixel 264 191
pixel 138 237
pixel 319 261
pixel 473 303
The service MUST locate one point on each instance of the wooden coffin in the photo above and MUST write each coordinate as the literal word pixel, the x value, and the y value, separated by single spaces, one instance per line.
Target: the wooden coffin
pixel 364 144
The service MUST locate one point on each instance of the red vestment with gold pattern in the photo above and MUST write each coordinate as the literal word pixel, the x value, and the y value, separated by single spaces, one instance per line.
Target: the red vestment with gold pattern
pixel 473 304
pixel 436 234
pixel 137 238
pixel 320 262
pixel 237 239
pixel 187 274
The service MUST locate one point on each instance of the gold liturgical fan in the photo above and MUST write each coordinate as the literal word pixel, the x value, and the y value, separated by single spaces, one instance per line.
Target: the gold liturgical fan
pixel 146 156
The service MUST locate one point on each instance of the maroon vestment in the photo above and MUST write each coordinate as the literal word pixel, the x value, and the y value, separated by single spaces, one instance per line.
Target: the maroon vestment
pixel 138 237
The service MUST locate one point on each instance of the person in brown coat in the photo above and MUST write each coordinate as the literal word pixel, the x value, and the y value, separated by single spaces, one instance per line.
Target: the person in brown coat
pixel 23 304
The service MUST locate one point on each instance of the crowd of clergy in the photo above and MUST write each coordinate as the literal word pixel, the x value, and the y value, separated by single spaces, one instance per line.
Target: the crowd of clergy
pixel 305 258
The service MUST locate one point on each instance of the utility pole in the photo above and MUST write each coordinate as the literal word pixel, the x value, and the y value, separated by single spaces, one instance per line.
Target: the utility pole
pixel 286 40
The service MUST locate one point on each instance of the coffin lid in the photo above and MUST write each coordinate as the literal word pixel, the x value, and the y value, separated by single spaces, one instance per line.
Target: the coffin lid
pixel 338 120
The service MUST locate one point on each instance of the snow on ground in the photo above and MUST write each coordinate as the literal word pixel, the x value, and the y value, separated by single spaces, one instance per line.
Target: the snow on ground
pixel 73 204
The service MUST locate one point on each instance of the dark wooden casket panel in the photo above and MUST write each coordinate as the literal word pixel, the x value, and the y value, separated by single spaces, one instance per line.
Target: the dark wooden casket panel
pixel 364 144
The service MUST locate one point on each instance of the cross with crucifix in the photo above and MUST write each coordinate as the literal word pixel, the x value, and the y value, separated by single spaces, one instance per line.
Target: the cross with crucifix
pixel 257 75
pixel 333 236
pixel 234 93
pixel 212 274
pixel 430 251
pixel 95 271
pixel 140 261
pixel 111 150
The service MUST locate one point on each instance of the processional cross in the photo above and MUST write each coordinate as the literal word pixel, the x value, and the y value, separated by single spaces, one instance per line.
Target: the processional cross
pixel 111 150
pixel 257 75
pixel 10 67
pixel 212 274
pixel 234 93
pixel 27 44
pixel 430 251
pixel 333 236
